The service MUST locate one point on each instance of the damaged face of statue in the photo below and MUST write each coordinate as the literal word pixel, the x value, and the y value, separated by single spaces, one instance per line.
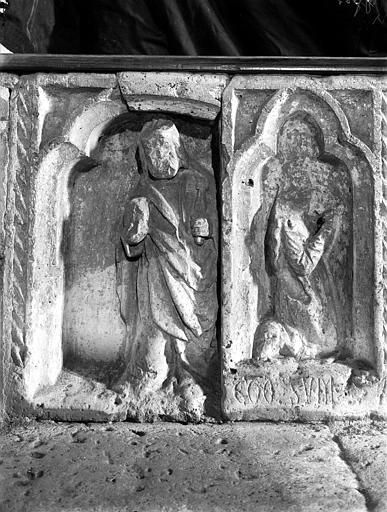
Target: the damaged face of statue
pixel 160 151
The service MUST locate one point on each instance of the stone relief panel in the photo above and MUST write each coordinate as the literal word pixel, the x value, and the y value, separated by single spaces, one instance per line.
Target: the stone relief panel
pixel 140 251
pixel 110 305
pixel 121 244
pixel 43 168
pixel 301 252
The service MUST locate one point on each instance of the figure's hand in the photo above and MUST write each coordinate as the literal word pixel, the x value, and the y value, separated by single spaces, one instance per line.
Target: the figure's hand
pixel 136 221
pixel 200 228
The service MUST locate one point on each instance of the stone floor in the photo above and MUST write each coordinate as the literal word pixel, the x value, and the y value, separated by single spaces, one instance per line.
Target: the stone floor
pixel 260 467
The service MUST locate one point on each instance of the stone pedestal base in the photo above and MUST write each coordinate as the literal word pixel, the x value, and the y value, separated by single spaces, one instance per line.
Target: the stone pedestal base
pixel 310 391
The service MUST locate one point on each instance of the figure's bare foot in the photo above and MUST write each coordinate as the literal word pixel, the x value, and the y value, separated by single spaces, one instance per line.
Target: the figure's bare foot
pixel 147 383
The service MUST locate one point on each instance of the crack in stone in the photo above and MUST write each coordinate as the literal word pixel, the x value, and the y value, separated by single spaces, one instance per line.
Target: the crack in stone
pixel 369 501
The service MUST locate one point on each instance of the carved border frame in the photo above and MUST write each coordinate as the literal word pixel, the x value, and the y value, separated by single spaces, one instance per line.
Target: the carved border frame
pixel 7 126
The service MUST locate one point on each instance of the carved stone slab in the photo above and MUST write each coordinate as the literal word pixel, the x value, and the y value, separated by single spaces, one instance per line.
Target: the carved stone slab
pixel 191 94
pixel 112 199
pixel 113 236
pixel 303 244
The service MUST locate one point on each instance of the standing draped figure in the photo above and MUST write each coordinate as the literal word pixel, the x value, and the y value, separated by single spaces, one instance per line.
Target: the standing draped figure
pixel 169 236
pixel 304 225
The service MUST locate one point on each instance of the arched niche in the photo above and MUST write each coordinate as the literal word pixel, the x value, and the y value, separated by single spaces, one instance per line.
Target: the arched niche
pixel 94 325
pixel 248 295
pixel 48 209
pixel 67 298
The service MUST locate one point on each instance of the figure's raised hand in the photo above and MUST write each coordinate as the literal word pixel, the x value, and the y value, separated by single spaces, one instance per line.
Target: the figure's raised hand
pixel 136 221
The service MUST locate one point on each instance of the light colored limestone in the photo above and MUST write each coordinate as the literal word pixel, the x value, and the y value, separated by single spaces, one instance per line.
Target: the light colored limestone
pixel 7 84
pixel 364 448
pixel 168 271
pixel 41 207
pixel 75 170
pixel 74 167
pixel 165 467
pixel 303 277
pixel 198 95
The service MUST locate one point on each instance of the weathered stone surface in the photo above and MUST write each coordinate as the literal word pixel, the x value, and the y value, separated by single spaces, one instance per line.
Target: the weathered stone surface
pixel 191 94
pixel 303 266
pixel 257 467
pixel 101 301
pixel 305 390
pixel 74 296
pixel 168 272
pixel 303 226
pixel 364 448
pixel 7 84
pixel 42 170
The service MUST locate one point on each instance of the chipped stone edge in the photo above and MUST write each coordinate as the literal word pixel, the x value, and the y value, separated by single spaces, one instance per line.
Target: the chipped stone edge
pixel 342 453
pixel 174 92
pixel 9 82
pixel 73 80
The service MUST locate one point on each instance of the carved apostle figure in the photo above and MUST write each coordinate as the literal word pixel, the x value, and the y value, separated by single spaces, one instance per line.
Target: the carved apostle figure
pixel 303 226
pixel 169 237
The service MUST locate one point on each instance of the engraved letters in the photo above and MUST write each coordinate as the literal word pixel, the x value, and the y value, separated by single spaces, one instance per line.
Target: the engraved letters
pixel 286 391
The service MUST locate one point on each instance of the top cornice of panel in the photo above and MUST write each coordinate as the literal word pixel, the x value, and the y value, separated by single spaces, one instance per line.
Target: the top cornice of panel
pixel 33 63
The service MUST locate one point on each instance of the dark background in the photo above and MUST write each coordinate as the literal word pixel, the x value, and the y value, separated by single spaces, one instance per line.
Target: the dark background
pixel 196 27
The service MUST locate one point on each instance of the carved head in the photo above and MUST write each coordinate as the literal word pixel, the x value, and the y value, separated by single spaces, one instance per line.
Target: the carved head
pixel 299 137
pixel 160 149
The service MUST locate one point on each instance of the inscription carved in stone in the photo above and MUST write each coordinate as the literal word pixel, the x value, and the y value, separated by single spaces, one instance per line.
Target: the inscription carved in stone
pixel 290 392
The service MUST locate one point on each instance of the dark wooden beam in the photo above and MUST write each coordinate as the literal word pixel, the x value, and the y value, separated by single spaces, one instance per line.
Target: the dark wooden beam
pixel 32 63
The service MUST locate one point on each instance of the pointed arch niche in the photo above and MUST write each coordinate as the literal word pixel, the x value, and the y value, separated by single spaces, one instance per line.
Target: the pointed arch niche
pixel 50 208
pixel 78 194
pixel 248 194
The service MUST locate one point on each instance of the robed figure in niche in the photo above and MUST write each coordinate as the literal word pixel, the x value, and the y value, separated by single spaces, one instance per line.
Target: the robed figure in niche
pixel 169 237
pixel 306 247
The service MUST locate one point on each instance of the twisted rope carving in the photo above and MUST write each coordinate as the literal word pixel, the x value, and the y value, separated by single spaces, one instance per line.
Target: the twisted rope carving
pixel 384 216
pixel 21 218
